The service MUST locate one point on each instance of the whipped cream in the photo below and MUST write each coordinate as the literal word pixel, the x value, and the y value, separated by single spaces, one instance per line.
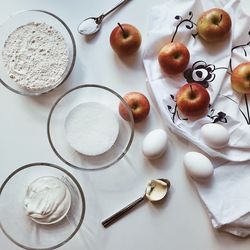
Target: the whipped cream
pixel 47 200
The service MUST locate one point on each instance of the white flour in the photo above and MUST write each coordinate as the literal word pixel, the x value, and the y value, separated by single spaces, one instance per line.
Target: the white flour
pixel 91 128
pixel 35 56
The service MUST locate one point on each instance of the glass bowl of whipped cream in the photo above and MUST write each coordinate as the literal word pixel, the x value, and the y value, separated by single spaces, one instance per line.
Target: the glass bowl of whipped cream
pixel 42 206
pixel 86 129
pixel 37 52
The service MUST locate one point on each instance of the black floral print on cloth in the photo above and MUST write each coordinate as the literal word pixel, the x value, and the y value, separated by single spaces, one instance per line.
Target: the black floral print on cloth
pixel 200 72
pixel 242 47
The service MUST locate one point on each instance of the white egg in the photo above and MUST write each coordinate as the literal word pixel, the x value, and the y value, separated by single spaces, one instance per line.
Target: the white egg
pixel 154 144
pixel 215 135
pixel 198 165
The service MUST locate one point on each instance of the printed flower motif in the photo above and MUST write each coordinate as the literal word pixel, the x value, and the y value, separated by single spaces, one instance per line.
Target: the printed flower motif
pixel 219 117
pixel 201 73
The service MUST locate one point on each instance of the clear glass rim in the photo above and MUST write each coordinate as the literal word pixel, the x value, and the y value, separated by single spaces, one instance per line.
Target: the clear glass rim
pixel 73 57
pixel 41 164
pixel 130 117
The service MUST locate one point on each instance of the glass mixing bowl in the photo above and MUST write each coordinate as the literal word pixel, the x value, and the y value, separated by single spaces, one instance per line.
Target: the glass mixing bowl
pixel 39 16
pixel 19 227
pixel 59 113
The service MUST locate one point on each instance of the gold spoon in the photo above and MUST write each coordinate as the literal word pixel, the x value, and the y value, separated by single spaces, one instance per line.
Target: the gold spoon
pixel 156 190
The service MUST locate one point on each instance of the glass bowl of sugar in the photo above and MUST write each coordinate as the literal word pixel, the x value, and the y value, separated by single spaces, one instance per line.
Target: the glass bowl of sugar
pixel 86 130
pixel 42 206
pixel 37 52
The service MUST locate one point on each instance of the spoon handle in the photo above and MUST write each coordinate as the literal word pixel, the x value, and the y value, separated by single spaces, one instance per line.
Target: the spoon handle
pixel 115 7
pixel 113 218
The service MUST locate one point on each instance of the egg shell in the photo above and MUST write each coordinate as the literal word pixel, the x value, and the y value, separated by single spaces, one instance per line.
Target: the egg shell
pixel 198 165
pixel 215 135
pixel 154 144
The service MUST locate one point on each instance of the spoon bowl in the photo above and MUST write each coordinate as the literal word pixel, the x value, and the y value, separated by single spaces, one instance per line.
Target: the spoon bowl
pixel 156 190
pixel 91 25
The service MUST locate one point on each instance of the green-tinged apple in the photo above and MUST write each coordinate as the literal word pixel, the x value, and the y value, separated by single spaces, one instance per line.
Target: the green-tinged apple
pixel 240 78
pixel 138 104
pixel 214 25
pixel 192 100
pixel 173 58
pixel 125 39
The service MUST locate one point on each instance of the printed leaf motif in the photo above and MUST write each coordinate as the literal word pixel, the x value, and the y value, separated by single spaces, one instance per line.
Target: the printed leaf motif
pixel 189 27
pixel 189 23
pixel 172 109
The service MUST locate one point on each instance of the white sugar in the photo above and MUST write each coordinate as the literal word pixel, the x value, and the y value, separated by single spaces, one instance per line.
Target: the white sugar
pixel 91 128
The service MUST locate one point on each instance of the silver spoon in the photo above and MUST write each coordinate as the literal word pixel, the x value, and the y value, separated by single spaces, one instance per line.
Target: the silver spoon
pixel 91 25
pixel 156 190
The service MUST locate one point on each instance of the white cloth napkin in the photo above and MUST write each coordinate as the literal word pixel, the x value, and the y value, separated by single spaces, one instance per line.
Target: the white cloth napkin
pixel 227 107
pixel 163 22
pixel 226 197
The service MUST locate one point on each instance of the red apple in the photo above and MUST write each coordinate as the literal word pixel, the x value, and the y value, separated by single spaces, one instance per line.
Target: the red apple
pixel 139 105
pixel 192 100
pixel 125 39
pixel 214 25
pixel 173 58
pixel 240 78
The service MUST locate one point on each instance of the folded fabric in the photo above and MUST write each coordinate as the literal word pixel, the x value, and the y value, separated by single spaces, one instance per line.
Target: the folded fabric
pixel 175 20
pixel 225 197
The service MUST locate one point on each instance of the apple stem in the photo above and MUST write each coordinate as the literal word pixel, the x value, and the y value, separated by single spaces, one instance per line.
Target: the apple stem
pixel 221 16
pixel 191 88
pixel 192 94
pixel 125 34
pixel 248 114
pixel 190 85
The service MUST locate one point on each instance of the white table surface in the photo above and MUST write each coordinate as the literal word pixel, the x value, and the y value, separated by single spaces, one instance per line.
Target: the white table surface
pixel 178 223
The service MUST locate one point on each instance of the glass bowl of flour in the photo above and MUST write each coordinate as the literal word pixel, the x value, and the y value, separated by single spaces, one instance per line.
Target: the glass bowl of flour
pixel 42 206
pixel 37 52
pixel 86 130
